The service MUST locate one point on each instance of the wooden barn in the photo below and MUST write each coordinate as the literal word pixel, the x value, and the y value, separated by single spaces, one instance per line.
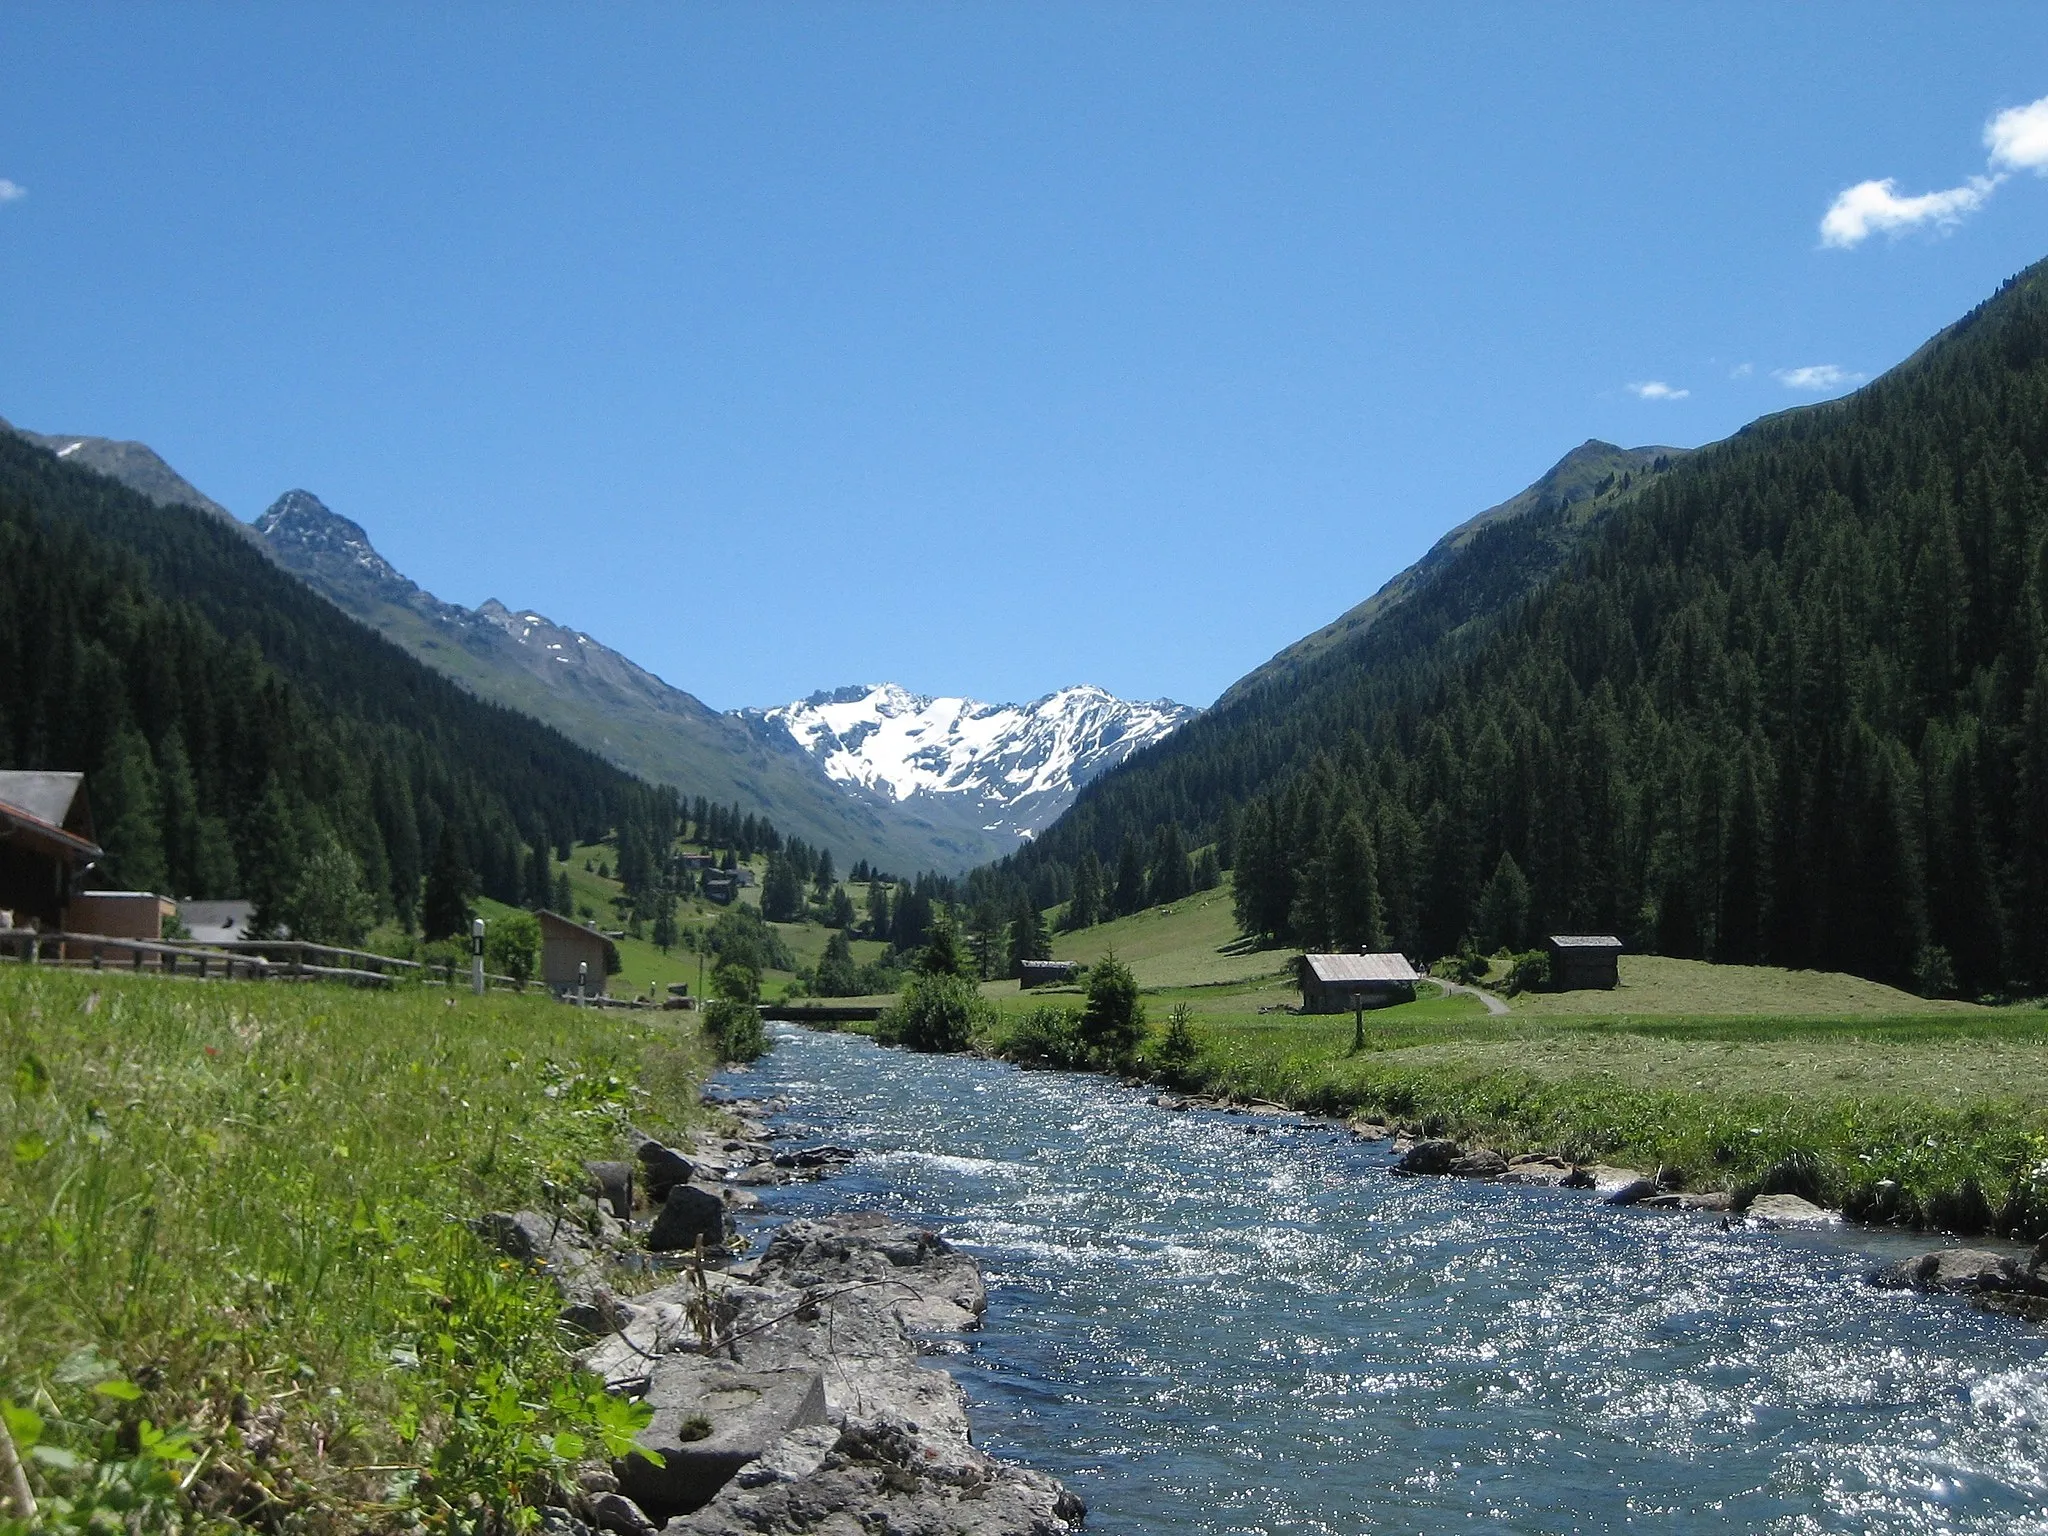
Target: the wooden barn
pixel 1044 973
pixel 1342 983
pixel 47 843
pixel 571 954
pixel 1584 962
pixel 720 886
pixel 120 914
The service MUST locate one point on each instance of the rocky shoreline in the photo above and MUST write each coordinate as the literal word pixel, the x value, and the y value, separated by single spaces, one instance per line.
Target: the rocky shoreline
pixel 786 1391
pixel 2010 1284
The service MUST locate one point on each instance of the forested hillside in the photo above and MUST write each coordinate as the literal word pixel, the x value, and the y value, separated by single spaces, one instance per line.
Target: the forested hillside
pixel 1787 701
pixel 236 726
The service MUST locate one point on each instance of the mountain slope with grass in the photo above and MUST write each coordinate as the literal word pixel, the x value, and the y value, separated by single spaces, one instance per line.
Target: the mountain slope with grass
pixel 1784 701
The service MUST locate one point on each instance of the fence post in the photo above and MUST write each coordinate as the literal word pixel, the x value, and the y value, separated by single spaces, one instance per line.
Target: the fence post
pixel 476 956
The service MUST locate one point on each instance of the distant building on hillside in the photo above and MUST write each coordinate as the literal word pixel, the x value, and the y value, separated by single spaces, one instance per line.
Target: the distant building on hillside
pixel 218 922
pixel 1044 973
pixel 1583 962
pixel 744 875
pixel 47 844
pixel 571 954
pixel 698 861
pixel 1342 983
pixel 720 886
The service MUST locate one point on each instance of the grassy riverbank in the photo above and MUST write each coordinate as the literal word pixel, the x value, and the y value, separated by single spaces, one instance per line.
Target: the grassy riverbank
pixel 239 1275
pixel 1743 1078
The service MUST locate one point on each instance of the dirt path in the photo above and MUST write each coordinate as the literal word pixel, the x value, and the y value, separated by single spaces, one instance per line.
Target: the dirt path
pixel 1493 1004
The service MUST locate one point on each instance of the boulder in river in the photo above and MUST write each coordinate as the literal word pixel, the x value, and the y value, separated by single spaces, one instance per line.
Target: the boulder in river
pixel 1429 1157
pixel 1633 1192
pixel 1536 1170
pixel 688 1213
pixel 1480 1163
pixel 1704 1200
pixel 1960 1271
pixel 1790 1211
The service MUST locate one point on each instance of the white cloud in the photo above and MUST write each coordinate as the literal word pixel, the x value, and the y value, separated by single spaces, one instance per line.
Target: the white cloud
pixel 1872 206
pixel 1816 376
pixel 10 190
pixel 1742 370
pixel 2018 138
pixel 1657 389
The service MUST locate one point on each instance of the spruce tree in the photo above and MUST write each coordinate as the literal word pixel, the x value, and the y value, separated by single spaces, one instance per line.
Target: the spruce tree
pixel 444 907
pixel 271 857
pixel 1027 938
pixel 132 813
pixel 1084 907
pixel 1130 880
pixel 1503 918
pixel 837 975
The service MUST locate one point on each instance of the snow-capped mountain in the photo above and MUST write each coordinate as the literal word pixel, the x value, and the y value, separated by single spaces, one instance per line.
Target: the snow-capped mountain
pixel 1011 768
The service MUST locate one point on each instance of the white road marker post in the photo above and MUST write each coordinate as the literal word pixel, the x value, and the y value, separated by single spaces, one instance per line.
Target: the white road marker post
pixel 476 956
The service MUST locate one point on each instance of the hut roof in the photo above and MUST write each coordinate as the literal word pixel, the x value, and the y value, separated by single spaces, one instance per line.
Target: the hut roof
pixel 1355 968
pixel 1585 941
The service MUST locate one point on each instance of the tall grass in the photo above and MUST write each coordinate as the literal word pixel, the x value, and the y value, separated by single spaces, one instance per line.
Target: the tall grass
pixel 239 1280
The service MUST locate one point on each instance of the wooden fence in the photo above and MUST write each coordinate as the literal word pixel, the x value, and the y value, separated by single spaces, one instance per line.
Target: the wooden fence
pixel 234 960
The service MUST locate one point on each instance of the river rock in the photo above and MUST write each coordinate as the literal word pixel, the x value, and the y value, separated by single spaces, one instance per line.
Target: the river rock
pixel 1370 1130
pixel 618 1514
pixel 815 1157
pixel 1790 1211
pixel 1429 1157
pixel 662 1169
pixel 1551 1171
pixel 1604 1179
pixel 613 1184
pixel 712 1417
pixel 1482 1163
pixel 1959 1271
pixel 688 1213
pixel 1634 1192
pixel 931 1286
pixel 1705 1200
pixel 569 1256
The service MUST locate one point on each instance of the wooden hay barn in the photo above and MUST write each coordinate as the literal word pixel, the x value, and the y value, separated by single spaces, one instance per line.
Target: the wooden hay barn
pixel 1342 983
pixel 47 843
pixel 1044 973
pixel 571 954
pixel 1583 962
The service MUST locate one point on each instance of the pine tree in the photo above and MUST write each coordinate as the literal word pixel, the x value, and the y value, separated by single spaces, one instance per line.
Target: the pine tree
pixel 1170 879
pixel 842 915
pixel 272 855
pixel 132 811
pixel 1130 880
pixel 444 908
pixel 837 975
pixel 1504 908
pixel 1028 939
pixel 565 894
pixel 1084 907
pixel 1353 875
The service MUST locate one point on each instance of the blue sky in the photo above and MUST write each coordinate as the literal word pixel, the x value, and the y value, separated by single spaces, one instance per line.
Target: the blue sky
pixel 981 348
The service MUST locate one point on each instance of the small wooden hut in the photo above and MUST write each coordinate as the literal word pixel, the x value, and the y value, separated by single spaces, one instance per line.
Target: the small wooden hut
pixel 1582 962
pixel 1343 983
pixel 572 955
pixel 1044 973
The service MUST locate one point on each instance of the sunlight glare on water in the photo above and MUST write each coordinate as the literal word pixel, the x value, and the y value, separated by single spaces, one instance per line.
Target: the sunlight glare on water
pixel 1207 1323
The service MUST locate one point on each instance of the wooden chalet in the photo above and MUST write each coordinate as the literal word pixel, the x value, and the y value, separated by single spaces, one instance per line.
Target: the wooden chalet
pixel 572 955
pixel 47 844
pixel 720 886
pixel 1342 983
pixel 1584 962
pixel 1044 973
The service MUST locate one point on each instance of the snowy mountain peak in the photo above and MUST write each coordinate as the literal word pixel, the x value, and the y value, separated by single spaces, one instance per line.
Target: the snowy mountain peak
pixel 1011 767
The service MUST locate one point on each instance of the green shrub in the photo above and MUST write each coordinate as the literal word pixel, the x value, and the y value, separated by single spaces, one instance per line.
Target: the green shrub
pixel 734 1029
pixel 512 947
pixel 1529 972
pixel 936 1013
pixel 1047 1036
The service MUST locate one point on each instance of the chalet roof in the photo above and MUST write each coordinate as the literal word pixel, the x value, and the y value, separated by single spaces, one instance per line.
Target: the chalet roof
pixel 48 810
pixel 1047 965
pixel 1355 968
pixel 1586 941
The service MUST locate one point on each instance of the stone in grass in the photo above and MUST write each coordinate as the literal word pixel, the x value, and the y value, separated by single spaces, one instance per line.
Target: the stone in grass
pixel 663 1168
pixel 1790 1211
pixel 613 1184
pixel 688 1213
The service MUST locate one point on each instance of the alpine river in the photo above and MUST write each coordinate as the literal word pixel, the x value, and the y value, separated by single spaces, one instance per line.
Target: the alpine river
pixel 1204 1322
